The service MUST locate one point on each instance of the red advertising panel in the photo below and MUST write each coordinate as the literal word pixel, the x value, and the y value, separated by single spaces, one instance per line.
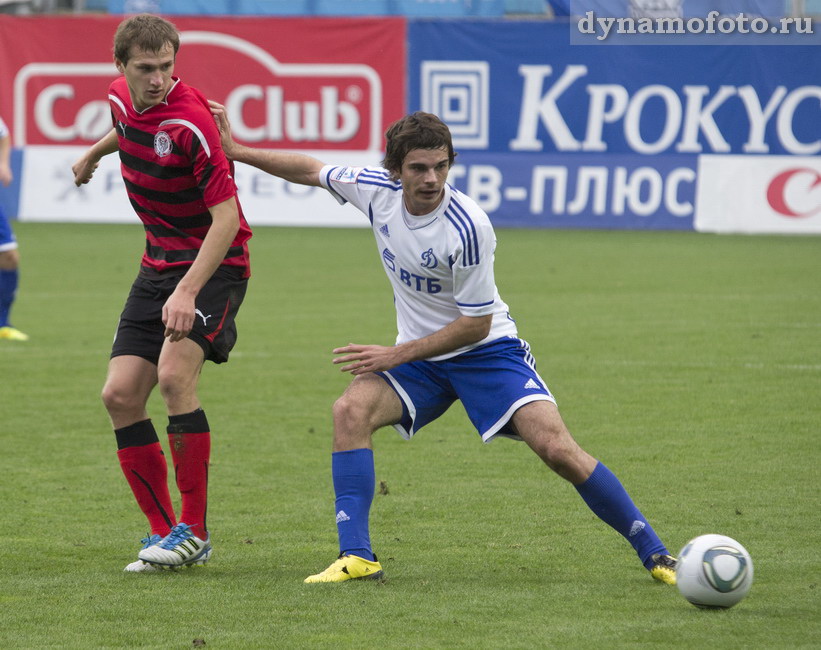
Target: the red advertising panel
pixel 293 83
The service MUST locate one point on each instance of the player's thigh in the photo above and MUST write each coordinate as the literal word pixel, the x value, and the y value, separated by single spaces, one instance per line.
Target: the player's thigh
pixel 179 365
pixel 538 420
pixel 129 382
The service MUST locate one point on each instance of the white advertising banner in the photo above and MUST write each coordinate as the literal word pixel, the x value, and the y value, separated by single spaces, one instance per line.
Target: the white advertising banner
pixel 48 192
pixel 759 194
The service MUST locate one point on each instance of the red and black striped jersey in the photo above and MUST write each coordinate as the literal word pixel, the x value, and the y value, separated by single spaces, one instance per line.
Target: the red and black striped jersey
pixel 174 170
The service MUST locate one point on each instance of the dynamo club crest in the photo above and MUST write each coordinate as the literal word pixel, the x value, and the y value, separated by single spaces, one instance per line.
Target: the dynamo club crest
pixel 429 260
pixel 162 144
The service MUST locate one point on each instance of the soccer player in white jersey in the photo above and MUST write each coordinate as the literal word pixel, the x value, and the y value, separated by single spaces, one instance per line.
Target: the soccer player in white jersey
pixel 456 339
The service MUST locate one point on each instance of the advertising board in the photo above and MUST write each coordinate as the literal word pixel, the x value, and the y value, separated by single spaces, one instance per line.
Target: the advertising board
pixel 325 86
pixel 554 134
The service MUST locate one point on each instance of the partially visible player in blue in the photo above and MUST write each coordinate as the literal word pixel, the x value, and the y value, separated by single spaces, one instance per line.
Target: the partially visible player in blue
pixel 9 257
pixel 456 339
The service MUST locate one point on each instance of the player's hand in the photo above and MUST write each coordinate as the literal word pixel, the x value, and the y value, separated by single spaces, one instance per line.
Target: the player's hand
pixel 5 175
pixel 178 315
pixel 360 359
pixel 221 118
pixel 84 169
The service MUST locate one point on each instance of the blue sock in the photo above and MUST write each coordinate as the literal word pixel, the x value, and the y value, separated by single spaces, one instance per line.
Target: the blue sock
pixel 8 287
pixel 605 495
pixel 354 480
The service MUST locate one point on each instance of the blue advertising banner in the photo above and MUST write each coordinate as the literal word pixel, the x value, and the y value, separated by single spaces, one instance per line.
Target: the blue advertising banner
pixel 620 191
pixel 605 137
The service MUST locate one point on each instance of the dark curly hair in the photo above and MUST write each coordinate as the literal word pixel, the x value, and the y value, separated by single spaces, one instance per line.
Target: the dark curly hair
pixel 415 131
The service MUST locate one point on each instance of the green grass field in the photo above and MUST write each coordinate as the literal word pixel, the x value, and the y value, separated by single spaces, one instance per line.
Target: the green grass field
pixel 690 364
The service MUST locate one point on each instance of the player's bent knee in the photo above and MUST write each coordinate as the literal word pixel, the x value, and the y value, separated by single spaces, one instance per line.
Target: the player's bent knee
pixel 350 413
pixel 564 456
pixel 557 448
pixel 174 384
pixel 117 400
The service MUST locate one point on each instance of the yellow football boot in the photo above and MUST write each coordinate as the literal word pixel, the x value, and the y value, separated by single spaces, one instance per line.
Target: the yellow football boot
pixel 664 569
pixel 349 567
pixel 9 333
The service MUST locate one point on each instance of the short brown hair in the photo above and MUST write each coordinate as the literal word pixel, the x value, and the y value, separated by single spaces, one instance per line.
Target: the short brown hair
pixel 145 31
pixel 415 131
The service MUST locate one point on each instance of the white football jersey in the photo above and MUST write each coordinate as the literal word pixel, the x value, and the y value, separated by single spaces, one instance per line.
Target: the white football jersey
pixel 440 264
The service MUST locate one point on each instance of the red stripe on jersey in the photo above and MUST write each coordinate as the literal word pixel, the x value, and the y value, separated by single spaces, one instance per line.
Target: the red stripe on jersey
pixel 174 170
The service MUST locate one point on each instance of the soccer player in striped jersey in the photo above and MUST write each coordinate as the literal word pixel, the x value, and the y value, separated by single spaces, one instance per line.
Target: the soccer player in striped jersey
pixel 191 283
pixel 9 257
pixel 456 339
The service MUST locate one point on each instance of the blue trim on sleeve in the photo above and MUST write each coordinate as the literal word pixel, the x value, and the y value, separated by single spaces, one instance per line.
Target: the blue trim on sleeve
pixel 380 178
pixel 478 304
pixel 330 188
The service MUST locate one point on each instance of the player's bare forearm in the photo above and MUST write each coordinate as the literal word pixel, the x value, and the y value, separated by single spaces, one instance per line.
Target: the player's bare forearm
pixel 85 167
pixel 292 167
pixel 359 359
pixel 178 311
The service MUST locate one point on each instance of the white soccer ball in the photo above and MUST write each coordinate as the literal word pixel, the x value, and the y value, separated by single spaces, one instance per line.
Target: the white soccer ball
pixel 714 571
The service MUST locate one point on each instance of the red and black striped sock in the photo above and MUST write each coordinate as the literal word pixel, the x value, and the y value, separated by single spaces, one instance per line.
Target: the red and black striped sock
pixel 190 439
pixel 143 463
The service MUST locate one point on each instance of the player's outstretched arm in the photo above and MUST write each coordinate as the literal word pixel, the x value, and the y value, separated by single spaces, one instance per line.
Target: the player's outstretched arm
pixel 293 167
pixel 85 167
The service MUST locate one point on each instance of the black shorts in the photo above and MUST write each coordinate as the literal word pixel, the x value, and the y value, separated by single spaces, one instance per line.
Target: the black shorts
pixel 141 330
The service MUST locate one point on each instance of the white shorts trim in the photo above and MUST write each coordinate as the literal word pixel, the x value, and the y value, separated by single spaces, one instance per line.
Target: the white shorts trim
pixel 407 435
pixel 493 431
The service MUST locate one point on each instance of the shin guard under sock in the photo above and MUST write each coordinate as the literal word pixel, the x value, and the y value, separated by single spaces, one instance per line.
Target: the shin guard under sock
pixel 354 479
pixel 189 437
pixel 143 463
pixel 606 497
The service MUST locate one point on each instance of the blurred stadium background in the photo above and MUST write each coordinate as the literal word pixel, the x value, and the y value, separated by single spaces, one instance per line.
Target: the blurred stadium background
pixel 715 135
pixel 425 8
pixel 685 359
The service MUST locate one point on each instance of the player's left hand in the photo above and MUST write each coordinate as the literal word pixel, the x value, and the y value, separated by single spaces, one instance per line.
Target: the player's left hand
pixel 178 316
pixel 366 358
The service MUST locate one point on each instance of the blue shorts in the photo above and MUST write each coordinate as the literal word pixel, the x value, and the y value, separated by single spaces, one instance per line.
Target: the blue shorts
pixel 7 240
pixel 492 381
